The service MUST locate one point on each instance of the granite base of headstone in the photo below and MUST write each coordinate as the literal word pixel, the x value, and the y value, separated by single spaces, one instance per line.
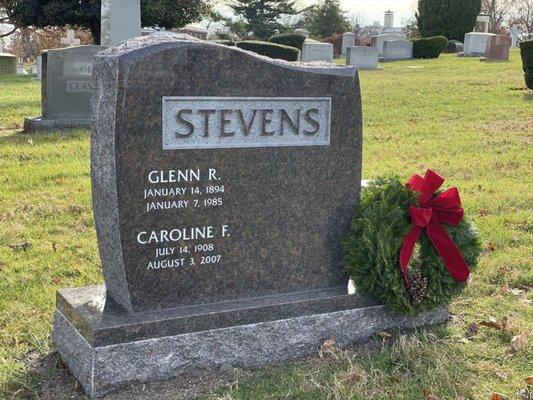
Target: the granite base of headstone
pixel 497 49
pixel 66 89
pixel 221 197
pixel 363 57
pixel 475 44
pixel 396 50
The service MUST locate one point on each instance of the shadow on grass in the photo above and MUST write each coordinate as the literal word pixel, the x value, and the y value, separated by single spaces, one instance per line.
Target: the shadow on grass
pixel 528 96
pixel 45 377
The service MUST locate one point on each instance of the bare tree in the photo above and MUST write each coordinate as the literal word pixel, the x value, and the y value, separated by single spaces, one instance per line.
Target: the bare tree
pixel 523 15
pixel 357 22
pixel 500 12
pixel 6 28
pixel 28 43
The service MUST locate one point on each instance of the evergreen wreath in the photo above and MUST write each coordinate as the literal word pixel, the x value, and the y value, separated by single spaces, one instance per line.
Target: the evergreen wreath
pixel 372 248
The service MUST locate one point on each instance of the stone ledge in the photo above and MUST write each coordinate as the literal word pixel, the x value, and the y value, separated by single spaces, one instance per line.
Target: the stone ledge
pixel 102 322
pixel 103 369
pixel 36 124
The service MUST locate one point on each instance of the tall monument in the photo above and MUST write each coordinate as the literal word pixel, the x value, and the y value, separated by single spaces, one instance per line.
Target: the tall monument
pixel 121 20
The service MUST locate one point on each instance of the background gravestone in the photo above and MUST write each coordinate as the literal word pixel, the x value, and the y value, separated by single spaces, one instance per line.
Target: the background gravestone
pixel 221 197
pixel 475 44
pixel 363 57
pixel 379 40
pixel 316 51
pixel 497 49
pixel 397 50
pixel 66 88
pixel 348 40
pixel 121 20
pixel 8 64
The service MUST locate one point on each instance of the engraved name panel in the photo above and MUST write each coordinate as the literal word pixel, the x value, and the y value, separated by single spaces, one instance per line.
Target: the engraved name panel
pixel 238 122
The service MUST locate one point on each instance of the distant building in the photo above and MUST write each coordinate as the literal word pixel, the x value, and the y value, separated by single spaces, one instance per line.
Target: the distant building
pixel 389 19
pixel 365 34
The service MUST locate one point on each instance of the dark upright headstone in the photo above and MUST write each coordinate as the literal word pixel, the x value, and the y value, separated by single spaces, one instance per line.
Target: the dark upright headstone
pixel 497 49
pixel 66 89
pixel 223 185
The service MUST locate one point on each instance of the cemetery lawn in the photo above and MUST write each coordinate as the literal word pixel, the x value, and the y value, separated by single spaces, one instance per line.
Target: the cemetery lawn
pixel 471 121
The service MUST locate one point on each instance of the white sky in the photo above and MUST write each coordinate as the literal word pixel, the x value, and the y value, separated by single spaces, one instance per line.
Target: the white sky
pixel 372 10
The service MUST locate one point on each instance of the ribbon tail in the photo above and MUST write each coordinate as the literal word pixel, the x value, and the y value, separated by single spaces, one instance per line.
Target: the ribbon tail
pixel 408 246
pixel 448 252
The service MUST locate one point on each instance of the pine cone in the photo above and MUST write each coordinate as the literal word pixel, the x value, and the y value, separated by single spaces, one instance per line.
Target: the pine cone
pixel 417 286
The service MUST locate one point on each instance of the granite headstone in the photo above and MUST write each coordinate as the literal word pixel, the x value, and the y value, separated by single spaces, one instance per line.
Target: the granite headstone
pixel 66 89
pixel 316 51
pixel 221 197
pixel 397 50
pixel 378 40
pixel 121 20
pixel 497 49
pixel 348 40
pixel 363 57
pixel 475 44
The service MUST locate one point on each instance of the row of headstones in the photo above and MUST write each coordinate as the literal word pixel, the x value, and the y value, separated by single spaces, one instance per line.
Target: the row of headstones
pixel 389 47
pixel 67 73
pixel 384 48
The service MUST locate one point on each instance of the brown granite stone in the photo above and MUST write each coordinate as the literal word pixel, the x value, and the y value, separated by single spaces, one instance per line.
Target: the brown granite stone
pixel 288 193
pixel 497 48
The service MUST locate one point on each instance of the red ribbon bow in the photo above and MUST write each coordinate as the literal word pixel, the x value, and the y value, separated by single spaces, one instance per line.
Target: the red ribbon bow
pixel 446 207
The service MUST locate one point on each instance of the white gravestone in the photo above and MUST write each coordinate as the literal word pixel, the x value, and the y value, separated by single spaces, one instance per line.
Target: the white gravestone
pixel 121 20
pixel 475 44
pixel 348 40
pixel 21 68
pixel 377 41
pixel 397 50
pixel 70 40
pixel 39 68
pixel 315 51
pixel 482 23
pixel 515 31
pixel 363 57
pixel 303 32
